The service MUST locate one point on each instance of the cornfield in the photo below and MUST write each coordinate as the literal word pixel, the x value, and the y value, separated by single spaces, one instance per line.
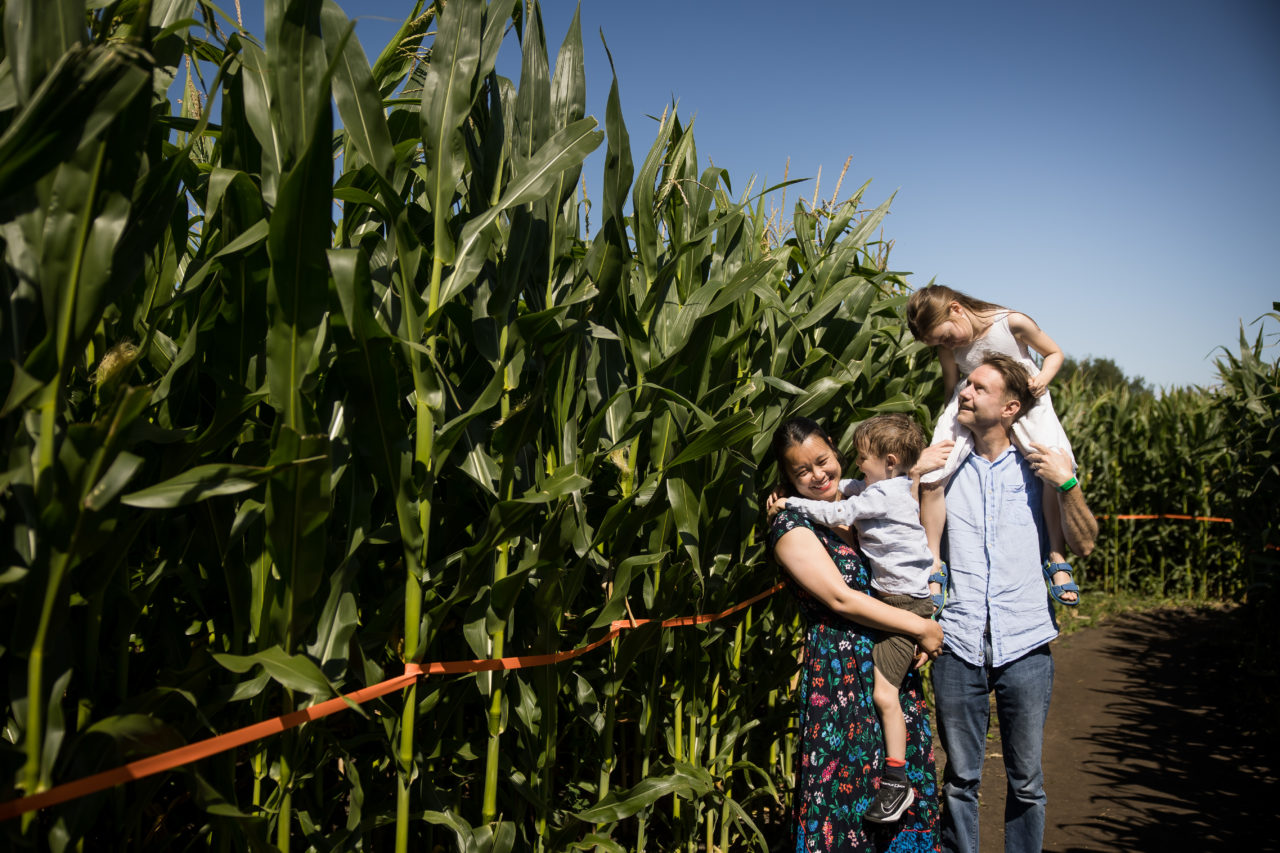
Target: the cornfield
pixel 336 380
pixel 1209 454
pixel 290 406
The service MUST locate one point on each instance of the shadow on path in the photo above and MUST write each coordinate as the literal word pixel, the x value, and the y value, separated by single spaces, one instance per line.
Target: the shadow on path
pixel 1151 743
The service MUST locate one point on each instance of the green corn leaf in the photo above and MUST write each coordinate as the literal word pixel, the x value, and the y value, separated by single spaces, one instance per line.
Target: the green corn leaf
pixel 685 781
pixel 446 100
pixel 398 56
pixel 122 470
pixel 77 101
pixel 737 428
pixel 296 672
pixel 37 34
pixel 297 291
pixel 356 93
pixel 566 148
pixel 201 483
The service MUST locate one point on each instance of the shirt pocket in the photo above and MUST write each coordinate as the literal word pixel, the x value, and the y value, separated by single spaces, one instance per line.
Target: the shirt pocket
pixel 1015 504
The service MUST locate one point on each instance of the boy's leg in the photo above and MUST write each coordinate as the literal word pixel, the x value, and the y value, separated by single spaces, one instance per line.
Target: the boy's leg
pixel 894 794
pixel 885 695
pixel 1023 688
pixel 1052 505
pixel 961 695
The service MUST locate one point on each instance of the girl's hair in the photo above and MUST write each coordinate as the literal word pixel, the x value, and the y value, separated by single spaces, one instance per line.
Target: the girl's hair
pixel 890 433
pixel 927 308
pixel 795 431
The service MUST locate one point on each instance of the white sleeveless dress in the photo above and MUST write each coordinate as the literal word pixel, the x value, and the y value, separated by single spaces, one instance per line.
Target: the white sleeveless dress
pixel 1038 426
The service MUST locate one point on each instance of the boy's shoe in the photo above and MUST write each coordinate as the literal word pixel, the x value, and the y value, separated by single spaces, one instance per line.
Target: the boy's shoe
pixel 891 801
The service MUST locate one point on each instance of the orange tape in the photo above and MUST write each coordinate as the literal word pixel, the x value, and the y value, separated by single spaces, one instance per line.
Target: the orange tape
pixel 1166 515
pixel 196 751
pixel 412 671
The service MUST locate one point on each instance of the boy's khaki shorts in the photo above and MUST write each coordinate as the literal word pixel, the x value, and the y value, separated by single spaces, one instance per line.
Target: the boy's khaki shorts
pixel 895 654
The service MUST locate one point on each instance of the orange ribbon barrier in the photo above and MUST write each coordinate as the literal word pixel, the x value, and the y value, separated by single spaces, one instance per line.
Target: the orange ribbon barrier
pixel 221 743
pixel 1166 515
pixel 1267 547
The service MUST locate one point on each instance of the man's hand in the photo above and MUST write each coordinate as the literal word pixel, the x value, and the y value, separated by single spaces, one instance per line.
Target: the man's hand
pixel 1051 464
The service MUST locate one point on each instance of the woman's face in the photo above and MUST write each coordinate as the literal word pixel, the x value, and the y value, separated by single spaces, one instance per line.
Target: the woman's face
pixel 814 469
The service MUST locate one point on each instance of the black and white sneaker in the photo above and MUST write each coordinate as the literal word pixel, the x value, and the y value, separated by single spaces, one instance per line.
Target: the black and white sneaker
pixel 891 801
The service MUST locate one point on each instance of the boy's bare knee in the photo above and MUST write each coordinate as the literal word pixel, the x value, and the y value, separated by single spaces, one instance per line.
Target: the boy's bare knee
pixel 883 693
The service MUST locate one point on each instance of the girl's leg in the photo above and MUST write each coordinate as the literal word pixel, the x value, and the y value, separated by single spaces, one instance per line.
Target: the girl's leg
pixel 885 695
pixel 933 517
pixel 1057 543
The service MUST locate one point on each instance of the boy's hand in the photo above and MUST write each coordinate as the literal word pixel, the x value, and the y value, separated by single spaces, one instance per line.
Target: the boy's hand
pixel 776 503
pixel 932 458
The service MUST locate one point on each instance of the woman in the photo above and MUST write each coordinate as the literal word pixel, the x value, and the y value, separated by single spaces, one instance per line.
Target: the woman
pixel 839 730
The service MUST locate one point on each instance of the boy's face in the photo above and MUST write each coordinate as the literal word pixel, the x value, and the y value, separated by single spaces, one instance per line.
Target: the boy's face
pixel 875 468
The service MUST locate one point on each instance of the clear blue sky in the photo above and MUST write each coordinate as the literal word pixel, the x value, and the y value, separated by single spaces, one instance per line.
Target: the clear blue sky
pixel 1110 168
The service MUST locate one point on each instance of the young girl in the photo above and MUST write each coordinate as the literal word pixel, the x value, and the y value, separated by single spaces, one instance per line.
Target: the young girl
pixel 965 330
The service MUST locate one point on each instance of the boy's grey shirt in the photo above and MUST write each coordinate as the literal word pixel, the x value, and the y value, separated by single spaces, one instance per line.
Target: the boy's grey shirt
pixel 887 519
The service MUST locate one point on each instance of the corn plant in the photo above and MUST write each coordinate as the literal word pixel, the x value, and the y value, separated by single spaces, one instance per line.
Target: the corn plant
pixel 294 397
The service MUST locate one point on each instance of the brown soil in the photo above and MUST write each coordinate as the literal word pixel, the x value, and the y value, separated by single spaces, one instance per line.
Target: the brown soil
pixel 1158 740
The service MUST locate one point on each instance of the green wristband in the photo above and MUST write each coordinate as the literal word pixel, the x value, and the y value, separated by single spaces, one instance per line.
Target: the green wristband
pixel 1069 485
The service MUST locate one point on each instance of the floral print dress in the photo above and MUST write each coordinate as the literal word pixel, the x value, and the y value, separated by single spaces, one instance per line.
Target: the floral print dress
pixel 841 743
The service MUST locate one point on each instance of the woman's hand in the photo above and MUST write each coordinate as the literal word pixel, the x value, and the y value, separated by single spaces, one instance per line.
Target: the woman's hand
pixel 929 639
pixel 1051 464
pixel 1038 385
pixel 932 458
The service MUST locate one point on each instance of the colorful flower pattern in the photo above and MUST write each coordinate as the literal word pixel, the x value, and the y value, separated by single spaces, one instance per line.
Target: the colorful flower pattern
pixel 841 749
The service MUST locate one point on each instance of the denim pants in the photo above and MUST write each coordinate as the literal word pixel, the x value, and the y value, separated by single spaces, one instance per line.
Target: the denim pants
pixel 961 693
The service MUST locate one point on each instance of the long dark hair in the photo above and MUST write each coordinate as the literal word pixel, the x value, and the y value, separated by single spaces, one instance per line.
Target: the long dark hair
pixel 795 431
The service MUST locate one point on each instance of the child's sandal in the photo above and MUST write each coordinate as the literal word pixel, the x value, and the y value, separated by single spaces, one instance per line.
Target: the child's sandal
pixel 939 598
pixel 1056 590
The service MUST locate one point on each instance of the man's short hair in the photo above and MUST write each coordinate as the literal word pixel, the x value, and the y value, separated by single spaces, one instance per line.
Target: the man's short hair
pixel 1017 381
pixel 890 433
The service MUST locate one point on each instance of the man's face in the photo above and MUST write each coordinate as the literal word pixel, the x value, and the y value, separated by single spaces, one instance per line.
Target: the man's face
pixel 982 401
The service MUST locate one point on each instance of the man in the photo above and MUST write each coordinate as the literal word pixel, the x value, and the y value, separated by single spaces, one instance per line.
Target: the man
pixel 998 620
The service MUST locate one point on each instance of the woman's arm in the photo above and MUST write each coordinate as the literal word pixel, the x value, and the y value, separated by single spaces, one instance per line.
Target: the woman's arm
pixel 1027 332
pixel 950 372
pixel 801 553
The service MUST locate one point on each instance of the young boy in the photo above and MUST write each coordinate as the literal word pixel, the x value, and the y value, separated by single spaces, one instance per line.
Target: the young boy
pixel 884 510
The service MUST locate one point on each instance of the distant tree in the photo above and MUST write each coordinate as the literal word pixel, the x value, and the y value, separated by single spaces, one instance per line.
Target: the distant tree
pixel 1101 373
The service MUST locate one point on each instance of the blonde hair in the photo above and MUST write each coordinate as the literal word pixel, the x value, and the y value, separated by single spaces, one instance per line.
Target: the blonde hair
pixel 927 308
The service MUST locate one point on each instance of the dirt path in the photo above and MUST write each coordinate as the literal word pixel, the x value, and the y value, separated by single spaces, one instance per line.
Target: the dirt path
pixel 1149 745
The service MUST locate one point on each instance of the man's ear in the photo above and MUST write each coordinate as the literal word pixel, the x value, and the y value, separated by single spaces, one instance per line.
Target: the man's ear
pixel 1011 408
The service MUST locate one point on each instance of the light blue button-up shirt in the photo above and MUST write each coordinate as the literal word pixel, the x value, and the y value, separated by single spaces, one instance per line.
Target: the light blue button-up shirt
pixel 994 540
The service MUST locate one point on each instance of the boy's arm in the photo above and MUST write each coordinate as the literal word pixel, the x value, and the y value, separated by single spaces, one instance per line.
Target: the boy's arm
pixel 828 513
pixel 1027 332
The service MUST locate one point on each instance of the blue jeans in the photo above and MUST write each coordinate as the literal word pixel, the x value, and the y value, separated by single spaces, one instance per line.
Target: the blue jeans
pixel 961 693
